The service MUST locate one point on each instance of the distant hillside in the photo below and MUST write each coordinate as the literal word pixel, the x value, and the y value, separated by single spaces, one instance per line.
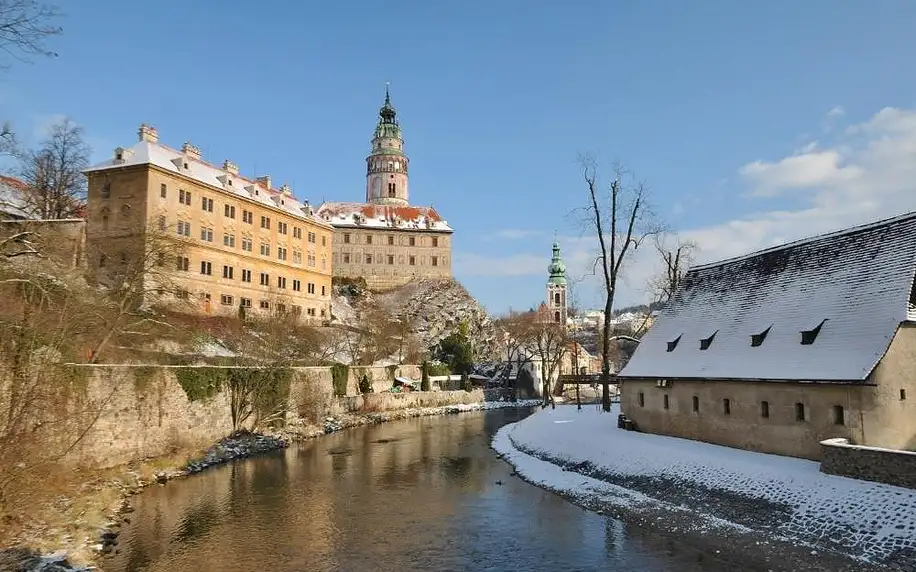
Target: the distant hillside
pixel 639 309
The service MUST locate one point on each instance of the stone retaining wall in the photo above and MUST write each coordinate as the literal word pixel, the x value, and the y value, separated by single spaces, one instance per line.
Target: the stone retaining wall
pixel 144 412
pixel 373 402
pixel 889 466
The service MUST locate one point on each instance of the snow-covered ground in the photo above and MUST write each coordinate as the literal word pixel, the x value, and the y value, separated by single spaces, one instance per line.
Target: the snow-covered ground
pixel 720 487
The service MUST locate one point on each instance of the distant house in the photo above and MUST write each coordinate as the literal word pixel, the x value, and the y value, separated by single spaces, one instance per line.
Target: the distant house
pixel 779 349
pixel 12 199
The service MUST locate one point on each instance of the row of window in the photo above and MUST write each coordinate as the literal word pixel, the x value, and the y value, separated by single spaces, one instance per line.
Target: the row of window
pixel 802 413
pixel 229 300
pixel 381 259
pixel 206 204
pixel 183 228
pixel 182 264
pixel 807 338
pixel 411 240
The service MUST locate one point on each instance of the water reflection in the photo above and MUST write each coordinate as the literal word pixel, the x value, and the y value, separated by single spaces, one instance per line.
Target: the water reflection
pixel 413 495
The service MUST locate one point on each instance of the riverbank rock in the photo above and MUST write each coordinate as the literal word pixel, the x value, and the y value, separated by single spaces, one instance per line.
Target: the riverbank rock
pixel 237 446
pixel 25 560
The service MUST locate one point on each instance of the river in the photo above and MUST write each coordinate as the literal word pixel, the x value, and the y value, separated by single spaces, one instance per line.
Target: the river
pixel 423 494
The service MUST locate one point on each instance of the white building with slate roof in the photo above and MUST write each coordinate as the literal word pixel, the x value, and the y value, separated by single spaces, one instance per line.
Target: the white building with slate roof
pixel 779 349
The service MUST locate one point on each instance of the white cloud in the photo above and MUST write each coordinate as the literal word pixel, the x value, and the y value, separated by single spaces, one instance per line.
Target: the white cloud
pixel 42 124
pixel 836 111
pixel 810 168
pixel 868 175
pixel 864 178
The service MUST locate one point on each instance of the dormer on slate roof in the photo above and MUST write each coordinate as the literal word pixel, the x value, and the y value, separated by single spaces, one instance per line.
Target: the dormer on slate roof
pixel 822 309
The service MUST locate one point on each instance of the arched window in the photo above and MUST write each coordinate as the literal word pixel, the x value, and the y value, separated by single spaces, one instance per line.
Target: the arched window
pixel 556 317
pixel 392 190
pixel 556 298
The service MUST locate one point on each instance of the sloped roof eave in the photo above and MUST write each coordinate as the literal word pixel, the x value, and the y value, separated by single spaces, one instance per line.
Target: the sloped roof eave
pixel 854 381
pixel 858 280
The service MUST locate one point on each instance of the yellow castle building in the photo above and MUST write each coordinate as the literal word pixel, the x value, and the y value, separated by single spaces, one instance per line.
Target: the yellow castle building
pixel 233 242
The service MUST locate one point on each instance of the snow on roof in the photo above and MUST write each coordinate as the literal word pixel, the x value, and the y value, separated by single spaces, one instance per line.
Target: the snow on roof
pixel 854 283
pixel 180 163
pixel 365 215
pixel 12 203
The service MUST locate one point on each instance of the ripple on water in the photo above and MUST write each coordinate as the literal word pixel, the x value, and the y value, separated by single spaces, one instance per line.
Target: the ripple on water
pixel 419 494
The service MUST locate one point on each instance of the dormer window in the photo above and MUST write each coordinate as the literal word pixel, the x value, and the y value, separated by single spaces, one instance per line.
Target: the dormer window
pixel 757 339
pixel 706 342
pixel 808 336
pixel 673 343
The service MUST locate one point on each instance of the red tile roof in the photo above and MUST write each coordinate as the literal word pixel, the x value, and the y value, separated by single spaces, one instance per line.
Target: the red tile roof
pixel 13 183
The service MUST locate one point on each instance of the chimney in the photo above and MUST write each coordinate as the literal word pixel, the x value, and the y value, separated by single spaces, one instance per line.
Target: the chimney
pixel 265 180
pixel 192 151
pixel 148 133
pixel 230 167
pixel 286 190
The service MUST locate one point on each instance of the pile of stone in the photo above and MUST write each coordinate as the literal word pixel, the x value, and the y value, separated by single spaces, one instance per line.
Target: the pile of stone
pixel 237 446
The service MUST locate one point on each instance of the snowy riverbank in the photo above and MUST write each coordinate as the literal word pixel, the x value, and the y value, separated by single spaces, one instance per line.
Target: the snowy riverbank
pixel 710 492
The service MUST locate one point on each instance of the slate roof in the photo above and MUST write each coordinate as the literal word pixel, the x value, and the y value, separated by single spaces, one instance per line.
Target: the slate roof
pixel 366 215
pixel 168 159
pixel 859 280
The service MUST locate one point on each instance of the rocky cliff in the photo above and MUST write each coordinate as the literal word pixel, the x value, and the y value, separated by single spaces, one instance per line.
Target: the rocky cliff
pixel 434 309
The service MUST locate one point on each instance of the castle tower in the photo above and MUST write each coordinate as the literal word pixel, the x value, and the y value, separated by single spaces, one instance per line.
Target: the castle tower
pixel 386 165
pixel 556 287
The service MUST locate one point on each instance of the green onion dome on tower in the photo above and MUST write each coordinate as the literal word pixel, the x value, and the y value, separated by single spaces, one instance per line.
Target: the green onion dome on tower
pixel 556 269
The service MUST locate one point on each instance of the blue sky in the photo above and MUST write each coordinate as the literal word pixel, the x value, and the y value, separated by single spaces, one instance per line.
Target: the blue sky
pixel 753 122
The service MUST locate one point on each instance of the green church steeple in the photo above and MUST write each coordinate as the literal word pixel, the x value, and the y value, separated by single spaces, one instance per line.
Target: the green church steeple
pixel 557 269
pixel 388 126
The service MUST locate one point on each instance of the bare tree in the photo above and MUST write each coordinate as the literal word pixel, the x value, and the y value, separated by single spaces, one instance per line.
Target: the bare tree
pixel 135 278
pixel 45 409
pixel 622 219
pixel 7 139
pixel 25 26
pixel 515 331
pixel 550 343
pixel 676 260
pixel 53 174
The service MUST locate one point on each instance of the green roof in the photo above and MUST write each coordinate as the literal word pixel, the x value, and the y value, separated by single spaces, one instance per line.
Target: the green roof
pixel 556 269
